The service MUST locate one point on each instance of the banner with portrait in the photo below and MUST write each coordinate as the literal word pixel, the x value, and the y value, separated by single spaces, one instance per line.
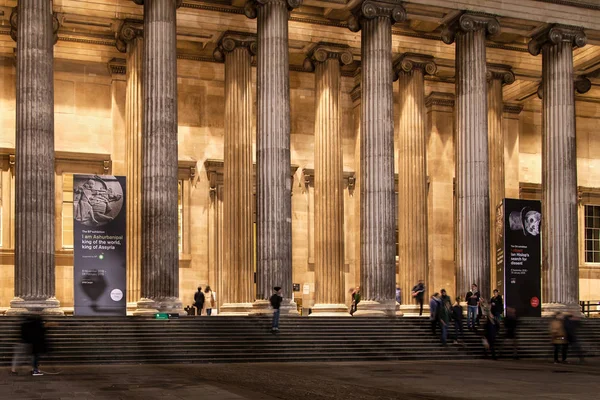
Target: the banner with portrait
pixel 519 255
pixel 99 223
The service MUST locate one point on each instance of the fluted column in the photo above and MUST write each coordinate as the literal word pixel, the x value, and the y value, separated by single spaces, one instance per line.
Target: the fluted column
pixel 329 180
pixel 472 164
pixel 238 230
pixel 412 172
pixel 560 259
pixel 160 253
pixel 273 184
pixel 377 218
pixel 34 28
pixel 497 76
pixel 130 41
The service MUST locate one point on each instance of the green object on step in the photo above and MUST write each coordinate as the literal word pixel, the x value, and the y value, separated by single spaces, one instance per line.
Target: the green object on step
pixel 161 316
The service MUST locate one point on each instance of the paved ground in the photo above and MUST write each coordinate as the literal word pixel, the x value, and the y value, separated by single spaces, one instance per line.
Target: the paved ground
pixel 444 380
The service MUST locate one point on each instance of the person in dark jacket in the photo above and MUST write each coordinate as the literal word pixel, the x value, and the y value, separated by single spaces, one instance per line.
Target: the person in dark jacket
pixel 33 334
pixel 434 305
pixel 496 305
pixel 445 310
pixel 490 332
pixel 418 292
pixel 572 330
pixel 199 300
pixel 510 325
pixel 457 317
pixel 276 300
pixel 472 299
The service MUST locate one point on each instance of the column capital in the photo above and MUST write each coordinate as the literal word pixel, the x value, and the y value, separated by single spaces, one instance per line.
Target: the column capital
pixel 129 30
pixel 555 34
pixel 408 62
pixel 14 23
pixel 369 9
pixel 231 40
pixel 500 72
pixel 581 84
pixel 324 51
pixel 468 22
pixel 252 5
pixel 141 2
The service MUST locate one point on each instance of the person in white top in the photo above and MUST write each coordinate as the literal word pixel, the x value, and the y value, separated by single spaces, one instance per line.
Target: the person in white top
pixel 209 300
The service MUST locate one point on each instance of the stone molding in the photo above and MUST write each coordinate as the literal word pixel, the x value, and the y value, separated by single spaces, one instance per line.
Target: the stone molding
pixel 501 72
pixel 369 9
pixel 308 175
pixel 468 22
pixel 410 61
pixel 251 6
pixel 513 108
pixel 117 66
pixel 130 29
pixel 231 40
pixel 325 51
pixel 439 99
pixel 14 19
pixel 141 2
pixel 555 34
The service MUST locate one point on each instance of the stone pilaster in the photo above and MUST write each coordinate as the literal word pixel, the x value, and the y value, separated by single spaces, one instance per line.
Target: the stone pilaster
pixel 34 28
pixel 472 164
pixel 497 76
pixel 377 225
pixel 130 41
pixel 238 261
pixel 329 180
pixel 160 253
pixel 412 173
pixel 273 184
pixel 560 259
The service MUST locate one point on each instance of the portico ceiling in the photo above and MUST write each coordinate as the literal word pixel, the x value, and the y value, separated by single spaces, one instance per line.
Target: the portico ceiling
pixel 88 31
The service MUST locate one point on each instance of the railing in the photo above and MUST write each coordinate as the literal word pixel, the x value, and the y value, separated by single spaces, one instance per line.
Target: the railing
pixel 590 307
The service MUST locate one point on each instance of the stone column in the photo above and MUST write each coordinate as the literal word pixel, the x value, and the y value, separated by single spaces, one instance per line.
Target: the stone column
pixel 329 180
pixel 238 261
pixel 560 259
pixel 472 165
pixel 130 41
pixel 34 28
pixel 412 173
pixel 273 184
pixel 497 76
pixel 378 225
pixel 160 253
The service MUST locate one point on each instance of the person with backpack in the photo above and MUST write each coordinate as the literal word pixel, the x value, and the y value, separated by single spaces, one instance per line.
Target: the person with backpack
pixel 418 292
pixel 199 300
pixel 355 300
pixel 209 300
pixel 275 301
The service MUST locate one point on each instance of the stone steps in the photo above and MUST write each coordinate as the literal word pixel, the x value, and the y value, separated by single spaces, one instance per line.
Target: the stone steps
pixel 124 340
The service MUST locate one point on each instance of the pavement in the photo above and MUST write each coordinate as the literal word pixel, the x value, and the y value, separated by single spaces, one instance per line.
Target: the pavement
pixel 419 380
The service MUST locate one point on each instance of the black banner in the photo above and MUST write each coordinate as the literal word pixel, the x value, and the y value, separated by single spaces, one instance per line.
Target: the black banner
pixel 519 256
pixel 99 223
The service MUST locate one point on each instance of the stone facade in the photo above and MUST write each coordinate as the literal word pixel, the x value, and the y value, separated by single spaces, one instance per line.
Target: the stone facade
pixel 94 128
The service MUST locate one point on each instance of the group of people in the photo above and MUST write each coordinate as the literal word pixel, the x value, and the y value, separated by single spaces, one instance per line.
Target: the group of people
pixel 204 301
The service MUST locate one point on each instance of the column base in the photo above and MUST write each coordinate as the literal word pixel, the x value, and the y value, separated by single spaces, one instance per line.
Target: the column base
pixel 262 307
pixel 48 306
pixel 150 307
pixel 371 308
pixel 412 310
pixel 233 309
pixel 329 310
pixel 549 309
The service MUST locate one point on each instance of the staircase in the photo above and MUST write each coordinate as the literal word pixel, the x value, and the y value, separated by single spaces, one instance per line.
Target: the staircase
pixel 125 340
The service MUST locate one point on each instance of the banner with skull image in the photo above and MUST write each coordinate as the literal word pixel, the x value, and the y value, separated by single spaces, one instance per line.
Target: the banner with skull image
pixel 99 223
pixel 519 255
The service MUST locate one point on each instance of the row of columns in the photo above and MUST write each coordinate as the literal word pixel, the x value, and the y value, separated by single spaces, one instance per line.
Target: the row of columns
pixel 152 149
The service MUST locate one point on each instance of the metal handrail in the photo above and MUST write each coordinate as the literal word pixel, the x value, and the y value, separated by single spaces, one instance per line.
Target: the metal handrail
pixel 586 307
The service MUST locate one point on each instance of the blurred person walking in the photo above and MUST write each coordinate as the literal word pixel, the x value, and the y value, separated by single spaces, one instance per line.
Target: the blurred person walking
pixel 445 310
pixel 209 300
pixel 275 301
pixel 457 317
pixel 559 337
pixel 434 308
pixel 511 323
pixel 33 341
pixel 199 300
pixel 490 333
pixel 355 300
pixel 572 324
